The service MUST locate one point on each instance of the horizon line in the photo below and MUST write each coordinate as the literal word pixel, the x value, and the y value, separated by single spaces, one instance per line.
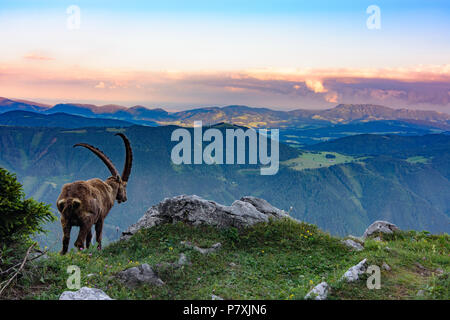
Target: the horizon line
pixel 123 107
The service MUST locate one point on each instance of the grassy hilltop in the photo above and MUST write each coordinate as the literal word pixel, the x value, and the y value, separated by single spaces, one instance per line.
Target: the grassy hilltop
pixel 276 260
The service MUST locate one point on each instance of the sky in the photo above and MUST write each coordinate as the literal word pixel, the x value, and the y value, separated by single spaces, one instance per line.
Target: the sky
pixel 179 55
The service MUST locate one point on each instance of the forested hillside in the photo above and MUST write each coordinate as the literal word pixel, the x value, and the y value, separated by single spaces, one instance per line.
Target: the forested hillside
pixel 412 192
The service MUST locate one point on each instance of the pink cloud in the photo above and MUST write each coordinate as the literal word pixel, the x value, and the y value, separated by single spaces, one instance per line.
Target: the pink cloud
pixel 288 89
pixel 36 56
pixel 332 97
pixel 100 85
pixel 315 85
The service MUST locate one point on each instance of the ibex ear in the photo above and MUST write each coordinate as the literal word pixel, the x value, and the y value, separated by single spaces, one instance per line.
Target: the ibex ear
pixel 61 204
pixel 76 203
pixel 118 179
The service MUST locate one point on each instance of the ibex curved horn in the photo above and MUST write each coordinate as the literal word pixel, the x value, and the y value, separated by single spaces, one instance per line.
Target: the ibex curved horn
pixel 128 157
pixel 102 156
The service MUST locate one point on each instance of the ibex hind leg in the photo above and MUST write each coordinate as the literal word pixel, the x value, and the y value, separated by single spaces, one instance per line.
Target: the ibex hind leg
pixel 98 233
pixel 79 243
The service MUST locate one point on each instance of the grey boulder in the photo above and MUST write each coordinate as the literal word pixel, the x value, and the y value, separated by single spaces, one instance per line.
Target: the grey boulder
pixel 194 210
pixel 378 227
pixel 85 293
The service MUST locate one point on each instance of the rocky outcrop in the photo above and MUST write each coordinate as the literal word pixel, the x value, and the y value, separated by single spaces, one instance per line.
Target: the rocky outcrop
pixel 85 293
pixel 136 276
pixel 319 292
pixel 352 244
pixel 264 207
pixel 194 210
pixel 380 227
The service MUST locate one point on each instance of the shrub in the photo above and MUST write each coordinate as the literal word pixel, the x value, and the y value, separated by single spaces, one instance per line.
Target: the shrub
pixel 20 218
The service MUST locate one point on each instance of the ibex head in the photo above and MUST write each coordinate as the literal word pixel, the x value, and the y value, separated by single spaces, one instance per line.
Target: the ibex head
pixel 121 180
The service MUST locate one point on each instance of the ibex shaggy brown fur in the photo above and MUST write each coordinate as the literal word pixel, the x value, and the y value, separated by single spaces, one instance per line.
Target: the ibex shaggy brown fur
pixel 85 203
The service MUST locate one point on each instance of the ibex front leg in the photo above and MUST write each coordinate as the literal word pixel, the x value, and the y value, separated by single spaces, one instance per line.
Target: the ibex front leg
pixel 98 233
pixel 66 237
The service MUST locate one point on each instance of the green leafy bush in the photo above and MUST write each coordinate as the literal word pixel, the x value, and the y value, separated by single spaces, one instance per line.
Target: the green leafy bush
pixel 20 218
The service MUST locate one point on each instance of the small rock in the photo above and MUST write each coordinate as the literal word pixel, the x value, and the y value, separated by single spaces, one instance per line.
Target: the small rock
pixel 377 239
pixel 380 227
pixel 439 271
pixel 232 264
pixel 213 248
pixel 90 275
pixel 386 267
pixel 183 260
pixel 354 272
pixel 142 274
pixel 353 245
pixel 420 293
pixel 214 297
pixel 319 292
pixel 422 270
pixel 85 293
pixel 387 249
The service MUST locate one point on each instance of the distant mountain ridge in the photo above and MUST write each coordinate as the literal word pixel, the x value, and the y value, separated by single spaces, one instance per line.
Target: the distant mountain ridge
pixel 21 118
pixel 13 105
pixel 294 137
pixel 239 115
pixel 350 112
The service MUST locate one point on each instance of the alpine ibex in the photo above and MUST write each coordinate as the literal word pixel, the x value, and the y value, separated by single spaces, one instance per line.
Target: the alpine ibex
pixel 85 203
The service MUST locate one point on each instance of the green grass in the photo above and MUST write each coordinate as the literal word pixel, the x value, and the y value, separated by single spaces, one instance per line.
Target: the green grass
pixel 274 260
pixel 406 251
pixel 314 160
pixel 74 131
pixel 115 130
pixel 418 159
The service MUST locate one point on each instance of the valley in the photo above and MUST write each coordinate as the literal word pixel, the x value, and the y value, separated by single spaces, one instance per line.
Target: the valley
pixel 366 181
